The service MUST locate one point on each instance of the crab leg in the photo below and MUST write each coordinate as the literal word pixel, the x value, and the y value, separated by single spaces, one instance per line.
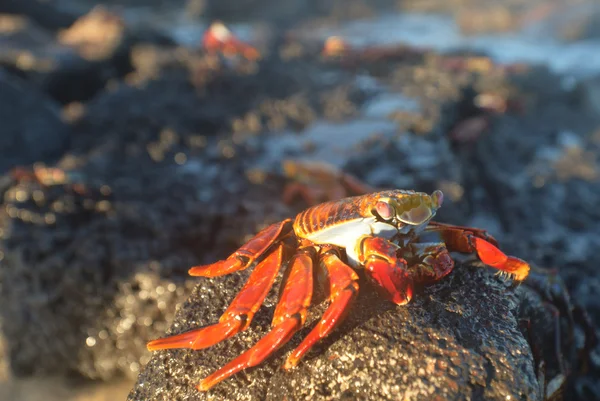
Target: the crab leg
pixel 343 289
pixel 385 269
pixel 239 314
pixel 247 254
pixel 467 240
pixel 289 317
pixel 475 231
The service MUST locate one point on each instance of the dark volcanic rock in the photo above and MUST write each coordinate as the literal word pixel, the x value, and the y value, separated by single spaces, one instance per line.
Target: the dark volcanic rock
pixel 75 63
pixel 97 264
pixel 457 340
pixel 537 173
pixel 96 253
pixel 32 129
pixel 48 15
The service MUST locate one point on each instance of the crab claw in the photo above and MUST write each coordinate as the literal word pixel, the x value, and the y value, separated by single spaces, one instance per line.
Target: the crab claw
pixel 386 270
pixel 472 240
pixel 492 256
pixel 392 280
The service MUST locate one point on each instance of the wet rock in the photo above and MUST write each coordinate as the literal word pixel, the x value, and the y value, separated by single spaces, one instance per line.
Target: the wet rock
pixel 543 188
pixel 96 278
pixel 555 168
pixel 97 260
pixel 77 62
pixel 48 15
pixel 458 339
pixel 561 335
pixel 408 161
pixel 32 128
pixel 589 91
pixel 97 247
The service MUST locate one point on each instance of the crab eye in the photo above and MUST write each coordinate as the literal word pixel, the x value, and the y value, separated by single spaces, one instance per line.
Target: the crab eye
pixel 384 210
pixel 438 198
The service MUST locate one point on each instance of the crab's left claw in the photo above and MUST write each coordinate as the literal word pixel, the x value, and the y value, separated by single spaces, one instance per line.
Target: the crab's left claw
pixel 471 240
pixel 494 257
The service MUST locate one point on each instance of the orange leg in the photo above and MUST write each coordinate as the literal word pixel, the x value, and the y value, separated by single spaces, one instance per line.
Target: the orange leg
pixel 483 234
pixel 247 254
pixel 385 269
pixel 289 317
pixel 468 240
pixel 239 314
pixel 343 289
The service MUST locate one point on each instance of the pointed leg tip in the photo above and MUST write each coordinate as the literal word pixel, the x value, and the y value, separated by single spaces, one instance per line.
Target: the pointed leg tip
pixel 183 340
pixel 402 300
pixel 220 268
pixel 154 345
pixel 212 380
pixel 197 271
pixel 160 344
pixel 289 364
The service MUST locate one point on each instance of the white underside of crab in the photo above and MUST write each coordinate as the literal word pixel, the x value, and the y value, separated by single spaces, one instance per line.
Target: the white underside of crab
pixel 346 235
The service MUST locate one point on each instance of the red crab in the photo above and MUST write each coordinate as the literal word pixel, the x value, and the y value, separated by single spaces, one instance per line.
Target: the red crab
pixel 219 39
pixel 315 182
pixel 389 234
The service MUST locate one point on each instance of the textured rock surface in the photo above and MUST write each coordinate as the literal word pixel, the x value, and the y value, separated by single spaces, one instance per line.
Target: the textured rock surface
pixel 458 340
pixel 99 258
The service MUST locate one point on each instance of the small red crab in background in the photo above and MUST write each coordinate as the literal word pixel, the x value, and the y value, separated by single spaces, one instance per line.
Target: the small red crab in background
pixel 337 48
pixel 318 181
pixel 389 234
pixel 219 39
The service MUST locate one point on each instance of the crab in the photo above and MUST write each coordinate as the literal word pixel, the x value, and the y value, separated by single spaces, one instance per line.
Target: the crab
pixel 219 39
pixel 318 181
pixel 389 234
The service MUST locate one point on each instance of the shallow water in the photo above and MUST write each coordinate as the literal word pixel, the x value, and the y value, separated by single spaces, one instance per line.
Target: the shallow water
pixel 533 44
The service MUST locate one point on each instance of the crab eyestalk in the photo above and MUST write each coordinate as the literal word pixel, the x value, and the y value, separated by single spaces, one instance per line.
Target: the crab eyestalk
pixel 437 199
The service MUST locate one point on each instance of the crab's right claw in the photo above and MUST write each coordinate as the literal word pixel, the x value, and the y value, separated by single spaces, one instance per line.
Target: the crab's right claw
pixel 385 269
